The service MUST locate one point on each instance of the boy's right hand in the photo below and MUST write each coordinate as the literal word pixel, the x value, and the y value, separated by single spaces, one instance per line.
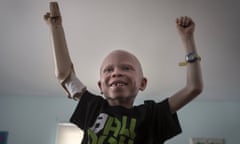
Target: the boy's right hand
pixel 53 17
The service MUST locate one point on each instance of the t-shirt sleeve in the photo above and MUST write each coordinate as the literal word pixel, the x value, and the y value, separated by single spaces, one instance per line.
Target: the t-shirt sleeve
pixel 86 110
pixel 164 124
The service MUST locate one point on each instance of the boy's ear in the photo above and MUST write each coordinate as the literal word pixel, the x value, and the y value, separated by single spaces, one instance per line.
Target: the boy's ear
pixel 99 85
pixel 143 84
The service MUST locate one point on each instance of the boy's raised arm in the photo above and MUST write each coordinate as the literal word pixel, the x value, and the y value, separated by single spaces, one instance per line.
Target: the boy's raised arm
pixel 194 84
pixel 62 61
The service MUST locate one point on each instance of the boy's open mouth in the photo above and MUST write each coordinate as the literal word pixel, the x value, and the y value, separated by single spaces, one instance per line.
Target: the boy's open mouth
pixel 118 84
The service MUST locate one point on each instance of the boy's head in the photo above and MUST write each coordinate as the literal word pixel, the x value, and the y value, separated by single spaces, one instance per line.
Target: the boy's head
pixel 121 77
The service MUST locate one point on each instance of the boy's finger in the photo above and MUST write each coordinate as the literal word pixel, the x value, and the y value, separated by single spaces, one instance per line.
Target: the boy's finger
pixel 46 16
pixel 54 9
pixel 184 21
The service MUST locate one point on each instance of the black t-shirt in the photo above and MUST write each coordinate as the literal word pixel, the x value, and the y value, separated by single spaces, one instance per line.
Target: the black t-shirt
pixel 149 123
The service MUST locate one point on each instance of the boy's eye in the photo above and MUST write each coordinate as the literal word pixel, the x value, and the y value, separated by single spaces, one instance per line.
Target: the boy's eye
pixel 126 68
pixel 107 70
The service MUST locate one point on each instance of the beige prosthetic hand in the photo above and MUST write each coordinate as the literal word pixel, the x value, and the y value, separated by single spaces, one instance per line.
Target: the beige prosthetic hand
pixel 63 65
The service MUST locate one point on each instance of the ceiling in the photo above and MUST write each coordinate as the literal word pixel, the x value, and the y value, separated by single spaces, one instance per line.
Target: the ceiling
pixel 143 27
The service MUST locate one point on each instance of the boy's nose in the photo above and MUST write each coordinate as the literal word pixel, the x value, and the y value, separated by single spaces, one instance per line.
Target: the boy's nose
pixel 116 73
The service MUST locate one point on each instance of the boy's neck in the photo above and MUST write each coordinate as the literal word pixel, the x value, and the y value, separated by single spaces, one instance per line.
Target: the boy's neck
pixel 126 103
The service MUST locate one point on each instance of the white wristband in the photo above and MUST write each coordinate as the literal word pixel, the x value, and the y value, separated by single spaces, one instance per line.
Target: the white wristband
pixel 74 85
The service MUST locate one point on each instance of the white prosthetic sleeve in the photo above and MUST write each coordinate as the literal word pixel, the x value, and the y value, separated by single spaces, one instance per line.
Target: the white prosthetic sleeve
pixel 74 87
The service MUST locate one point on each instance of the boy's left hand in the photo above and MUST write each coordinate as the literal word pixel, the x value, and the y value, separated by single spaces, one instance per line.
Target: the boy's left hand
pixel 185 26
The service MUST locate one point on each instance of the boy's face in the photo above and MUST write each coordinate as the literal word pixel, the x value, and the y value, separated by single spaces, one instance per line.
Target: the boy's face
pixel 121 76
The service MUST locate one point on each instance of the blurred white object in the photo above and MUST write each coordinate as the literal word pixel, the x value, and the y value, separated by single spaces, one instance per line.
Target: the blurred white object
pixel 206 141
pixel 68 133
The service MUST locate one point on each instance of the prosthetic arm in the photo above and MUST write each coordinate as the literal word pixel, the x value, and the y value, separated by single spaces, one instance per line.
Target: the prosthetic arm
pixel 64 70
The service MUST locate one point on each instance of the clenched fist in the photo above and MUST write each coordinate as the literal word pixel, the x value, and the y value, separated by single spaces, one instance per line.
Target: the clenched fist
pixel 185 26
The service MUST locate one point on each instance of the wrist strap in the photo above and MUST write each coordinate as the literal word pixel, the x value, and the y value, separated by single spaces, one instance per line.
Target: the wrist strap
pixel 185 62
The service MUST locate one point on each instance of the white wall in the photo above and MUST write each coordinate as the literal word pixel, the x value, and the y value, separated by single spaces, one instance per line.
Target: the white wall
pixel 33 120
pixel 210 119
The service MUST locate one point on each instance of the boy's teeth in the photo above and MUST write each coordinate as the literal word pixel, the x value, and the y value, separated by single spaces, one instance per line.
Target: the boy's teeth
pixel 118 84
